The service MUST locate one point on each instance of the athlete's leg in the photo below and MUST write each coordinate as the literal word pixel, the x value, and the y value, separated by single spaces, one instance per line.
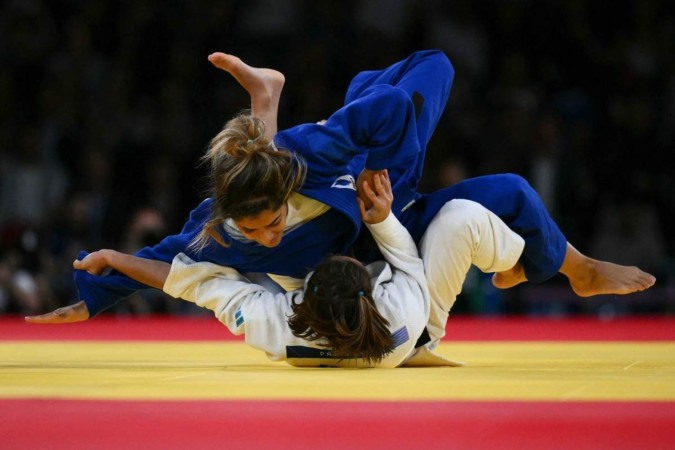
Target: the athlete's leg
pixel 514 201
pixel 263 85
pixel 461 234
pixel 426 76
pixel 546 252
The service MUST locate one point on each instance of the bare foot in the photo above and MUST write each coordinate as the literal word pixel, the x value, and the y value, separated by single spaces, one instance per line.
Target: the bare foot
pixel 263 85
pixel 509 278
pixel 602 277
pixel 590 277
pixel 253 79
pixel 67 314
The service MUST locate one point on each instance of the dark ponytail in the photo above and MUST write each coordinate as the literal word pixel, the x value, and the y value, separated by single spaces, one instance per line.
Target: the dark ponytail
pixel 338 307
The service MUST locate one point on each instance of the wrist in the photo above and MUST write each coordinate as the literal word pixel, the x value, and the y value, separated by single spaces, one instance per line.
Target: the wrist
pixel 109 257
pixel 379 218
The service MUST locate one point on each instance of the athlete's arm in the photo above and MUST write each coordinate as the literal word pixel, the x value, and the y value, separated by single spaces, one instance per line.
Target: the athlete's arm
pixel 149 272
pixel 99 292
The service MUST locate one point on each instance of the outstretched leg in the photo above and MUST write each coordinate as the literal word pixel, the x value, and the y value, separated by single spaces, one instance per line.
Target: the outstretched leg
pixel 262 84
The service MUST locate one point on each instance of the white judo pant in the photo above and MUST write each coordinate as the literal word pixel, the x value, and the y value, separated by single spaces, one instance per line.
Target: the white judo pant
pixel 462 233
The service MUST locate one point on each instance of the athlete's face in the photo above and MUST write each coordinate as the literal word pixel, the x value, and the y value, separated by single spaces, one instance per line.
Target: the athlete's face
pixel 267 228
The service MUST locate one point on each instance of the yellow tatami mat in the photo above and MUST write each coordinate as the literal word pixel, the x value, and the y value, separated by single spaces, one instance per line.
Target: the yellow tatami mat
pixel 548 371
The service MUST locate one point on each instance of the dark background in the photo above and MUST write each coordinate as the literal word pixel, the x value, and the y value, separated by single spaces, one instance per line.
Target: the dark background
pixel 106 107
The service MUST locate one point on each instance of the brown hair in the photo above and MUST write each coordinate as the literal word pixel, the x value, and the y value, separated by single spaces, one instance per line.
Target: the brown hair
pixel 338 306
pixel 247 175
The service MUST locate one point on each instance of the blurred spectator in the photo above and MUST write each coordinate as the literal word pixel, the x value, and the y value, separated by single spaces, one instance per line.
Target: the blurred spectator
pixel 24 287
pixel 32 183
pixel 544 173
pixel 73 230
pixel 147 227
pixel 450 171
pixel 19 292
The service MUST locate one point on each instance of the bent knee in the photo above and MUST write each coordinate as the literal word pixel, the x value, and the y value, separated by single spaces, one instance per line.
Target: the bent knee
pixel 458 214
pixel 514 184
pixel 513 179
pixel 444 64
pixel 388 97
pixel 439 58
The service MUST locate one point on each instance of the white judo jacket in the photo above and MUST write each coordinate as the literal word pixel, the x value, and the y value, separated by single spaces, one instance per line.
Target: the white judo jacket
pixel 399 289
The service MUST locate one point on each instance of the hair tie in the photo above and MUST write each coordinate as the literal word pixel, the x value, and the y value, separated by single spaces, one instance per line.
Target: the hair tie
pixel 360 293
pixel 249 142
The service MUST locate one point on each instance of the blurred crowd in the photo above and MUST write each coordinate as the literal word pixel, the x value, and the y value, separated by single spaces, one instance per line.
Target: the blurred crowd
pixel 106 107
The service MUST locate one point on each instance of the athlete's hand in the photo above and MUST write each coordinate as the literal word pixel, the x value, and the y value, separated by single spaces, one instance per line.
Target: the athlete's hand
pixel 375 201
pixel 366 176
pixel 67 314
pixel 95 263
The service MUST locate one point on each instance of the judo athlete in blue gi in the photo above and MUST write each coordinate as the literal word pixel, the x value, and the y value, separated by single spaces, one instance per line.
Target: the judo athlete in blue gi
pixel 280 206
pixel 346 314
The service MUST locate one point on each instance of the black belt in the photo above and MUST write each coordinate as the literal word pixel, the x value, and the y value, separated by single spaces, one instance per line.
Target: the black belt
pixel 423 339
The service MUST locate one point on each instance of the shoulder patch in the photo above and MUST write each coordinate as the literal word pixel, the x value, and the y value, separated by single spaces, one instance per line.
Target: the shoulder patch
pixel 344 182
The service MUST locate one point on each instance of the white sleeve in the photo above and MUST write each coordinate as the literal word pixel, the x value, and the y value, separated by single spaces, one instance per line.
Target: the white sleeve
pixel 400 251
pixel 401 294
pixel 397 245
pixel 244 307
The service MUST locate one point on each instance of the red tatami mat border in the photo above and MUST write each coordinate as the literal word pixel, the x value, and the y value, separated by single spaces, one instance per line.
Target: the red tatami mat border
pixel 169 328
pixel 150 425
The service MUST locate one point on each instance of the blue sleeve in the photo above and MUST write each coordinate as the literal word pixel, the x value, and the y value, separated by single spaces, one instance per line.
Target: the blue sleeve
pixel 102 292
pixel 380 124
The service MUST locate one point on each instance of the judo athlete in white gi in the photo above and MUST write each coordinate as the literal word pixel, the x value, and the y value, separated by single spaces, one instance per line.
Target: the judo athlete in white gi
pixel 410 301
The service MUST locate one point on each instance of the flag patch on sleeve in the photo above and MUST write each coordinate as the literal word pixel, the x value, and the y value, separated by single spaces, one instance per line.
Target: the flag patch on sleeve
pixel 239 318
pixel 400 336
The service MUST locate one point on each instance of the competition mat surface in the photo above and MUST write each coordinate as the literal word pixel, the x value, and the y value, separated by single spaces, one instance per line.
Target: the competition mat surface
pixel 164 383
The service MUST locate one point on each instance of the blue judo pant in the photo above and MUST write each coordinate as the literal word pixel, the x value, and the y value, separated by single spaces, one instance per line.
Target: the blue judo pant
pixel 426 77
